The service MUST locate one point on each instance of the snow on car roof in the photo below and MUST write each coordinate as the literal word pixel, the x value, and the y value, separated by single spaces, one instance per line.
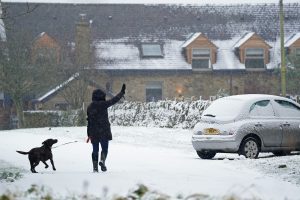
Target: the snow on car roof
pixel 252 97
pixel 202 2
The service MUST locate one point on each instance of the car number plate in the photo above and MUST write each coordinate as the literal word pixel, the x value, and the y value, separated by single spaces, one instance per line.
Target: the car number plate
pixel 211 131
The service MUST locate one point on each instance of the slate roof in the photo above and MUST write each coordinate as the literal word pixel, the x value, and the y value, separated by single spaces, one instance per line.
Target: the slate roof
pixel 119 29
pixel 111 21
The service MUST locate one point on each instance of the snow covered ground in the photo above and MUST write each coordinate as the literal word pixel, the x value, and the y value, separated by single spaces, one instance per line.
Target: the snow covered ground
pixel 162 159
pixel 197 2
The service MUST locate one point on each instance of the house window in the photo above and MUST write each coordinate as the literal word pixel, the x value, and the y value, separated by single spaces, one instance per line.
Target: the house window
pixel 62 106
pixel 1 99
pixel 151 50
pixel 200 58
pixel 298 52
pixel 297 57
pixel 254 58
pixel 153 91
pixel 1 95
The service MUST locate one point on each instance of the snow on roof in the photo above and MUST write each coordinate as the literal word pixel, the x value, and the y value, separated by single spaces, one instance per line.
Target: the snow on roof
pixel 292 39
pixel 58 87
pixel 226 59
pixel 2 31
pixel 2 28
pixel 39 36
pixel 253 97
pixel 195 2
pixel 243 39
pixel 190 39
pixel 117 54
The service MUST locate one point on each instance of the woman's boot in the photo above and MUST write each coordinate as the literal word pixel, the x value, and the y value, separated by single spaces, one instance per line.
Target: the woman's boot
pixel 95 162
pixel 102 161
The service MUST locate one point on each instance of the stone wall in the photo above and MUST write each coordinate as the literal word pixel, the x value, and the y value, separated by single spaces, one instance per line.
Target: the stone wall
pixel 4 118
pixel 196 84
pixel 186 84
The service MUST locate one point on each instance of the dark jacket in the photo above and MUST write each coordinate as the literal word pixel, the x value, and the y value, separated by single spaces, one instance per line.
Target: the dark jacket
pixel 98 124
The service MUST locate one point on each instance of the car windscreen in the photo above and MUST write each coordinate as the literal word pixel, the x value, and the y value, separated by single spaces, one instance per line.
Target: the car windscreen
pixel 225 108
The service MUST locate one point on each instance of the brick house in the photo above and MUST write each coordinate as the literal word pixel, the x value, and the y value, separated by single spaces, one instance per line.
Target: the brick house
pixel 167 51
pixel 292 46
pixel 44 48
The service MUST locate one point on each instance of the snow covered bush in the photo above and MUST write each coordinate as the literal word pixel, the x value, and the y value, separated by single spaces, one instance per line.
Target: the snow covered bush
pixel 164 114
pixel 169 114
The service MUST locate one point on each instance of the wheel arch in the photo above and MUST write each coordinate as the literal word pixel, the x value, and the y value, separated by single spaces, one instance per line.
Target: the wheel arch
pixel 251 135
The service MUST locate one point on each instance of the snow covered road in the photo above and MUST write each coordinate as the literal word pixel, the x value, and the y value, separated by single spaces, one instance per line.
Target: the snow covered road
pixel 162 159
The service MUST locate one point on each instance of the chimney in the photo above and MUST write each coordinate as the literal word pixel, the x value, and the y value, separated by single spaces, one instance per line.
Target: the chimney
pixel 82 42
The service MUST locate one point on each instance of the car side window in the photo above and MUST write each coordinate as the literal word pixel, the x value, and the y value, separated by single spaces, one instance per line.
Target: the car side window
pixel 287 109
pixel 261 109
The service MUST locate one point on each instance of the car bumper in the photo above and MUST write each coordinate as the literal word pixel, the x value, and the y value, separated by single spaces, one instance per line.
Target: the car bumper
pixel 228 143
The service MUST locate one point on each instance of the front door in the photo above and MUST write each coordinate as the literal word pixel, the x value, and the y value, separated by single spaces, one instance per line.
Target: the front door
pixel 266 124
pixel 291 133
pixel 289 114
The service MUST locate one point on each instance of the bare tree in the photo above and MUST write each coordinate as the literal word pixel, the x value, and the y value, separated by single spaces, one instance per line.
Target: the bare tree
pixel 19 78
pixel 77 62
pixel 11 17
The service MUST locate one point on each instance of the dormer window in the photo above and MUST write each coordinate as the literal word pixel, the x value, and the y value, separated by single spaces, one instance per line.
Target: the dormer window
pixel 200 52
pixel 254 58
pixel 200 58
pixel 151 50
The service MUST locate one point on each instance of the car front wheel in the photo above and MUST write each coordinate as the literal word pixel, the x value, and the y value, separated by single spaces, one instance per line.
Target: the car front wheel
pixel 206 154
pixel 250 148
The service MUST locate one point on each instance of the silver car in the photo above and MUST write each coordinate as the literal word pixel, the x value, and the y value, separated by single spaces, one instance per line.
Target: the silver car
pixel 248 124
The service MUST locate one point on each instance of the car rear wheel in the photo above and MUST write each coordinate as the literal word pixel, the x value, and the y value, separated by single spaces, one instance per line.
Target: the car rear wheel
pixel 281 153
pixel 250 148
pixel 206 154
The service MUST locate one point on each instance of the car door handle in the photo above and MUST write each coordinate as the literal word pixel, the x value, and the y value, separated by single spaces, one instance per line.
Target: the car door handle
pixel 286 124
pixel 258 125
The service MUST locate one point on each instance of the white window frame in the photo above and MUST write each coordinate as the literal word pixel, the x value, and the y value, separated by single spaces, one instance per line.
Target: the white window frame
pixel 202 57
pixel 151 55
pixel 255 57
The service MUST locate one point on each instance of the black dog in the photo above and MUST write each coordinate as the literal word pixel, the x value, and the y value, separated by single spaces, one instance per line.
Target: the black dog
pixel 42 153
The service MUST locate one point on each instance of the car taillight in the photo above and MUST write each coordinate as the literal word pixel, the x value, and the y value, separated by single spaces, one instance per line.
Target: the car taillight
pixel 198 133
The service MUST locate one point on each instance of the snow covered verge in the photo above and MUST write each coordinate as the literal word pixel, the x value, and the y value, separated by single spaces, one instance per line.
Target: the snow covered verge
pixel 168 114
pixel 161 159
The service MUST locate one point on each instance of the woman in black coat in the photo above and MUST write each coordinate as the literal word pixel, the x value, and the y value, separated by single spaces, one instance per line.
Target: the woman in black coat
pixel 98 129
